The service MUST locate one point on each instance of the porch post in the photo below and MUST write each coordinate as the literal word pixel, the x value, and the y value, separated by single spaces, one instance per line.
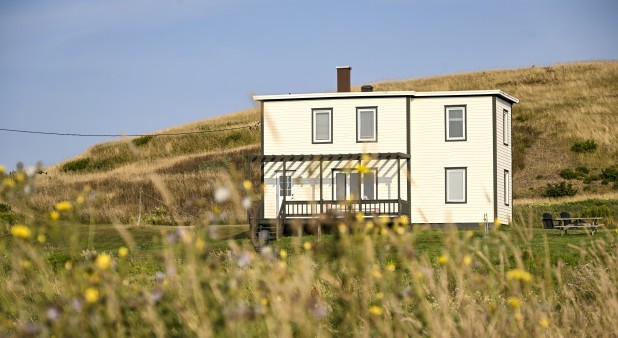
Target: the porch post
pixel 285 193
pixel 398 186
pixel 359 185
pixel 321 182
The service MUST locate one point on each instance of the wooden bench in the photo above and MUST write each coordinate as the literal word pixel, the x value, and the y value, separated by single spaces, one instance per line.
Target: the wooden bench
pixel 583 223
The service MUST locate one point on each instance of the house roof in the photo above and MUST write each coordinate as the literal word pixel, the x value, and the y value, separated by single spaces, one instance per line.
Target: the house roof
pixel 336 95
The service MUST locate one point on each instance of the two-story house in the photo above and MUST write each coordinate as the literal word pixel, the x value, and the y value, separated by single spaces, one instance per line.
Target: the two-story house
pixel 438 157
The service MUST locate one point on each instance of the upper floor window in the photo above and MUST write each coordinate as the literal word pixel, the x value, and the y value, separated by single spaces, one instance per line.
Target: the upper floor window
pixel 366 124
pixel 455 123
pixel 505 127
pixel 456 185
pixel 322 123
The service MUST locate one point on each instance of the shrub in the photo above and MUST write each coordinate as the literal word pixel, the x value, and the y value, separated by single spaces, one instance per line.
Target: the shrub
pixel 568 174
pixel 610 174
pixel 8 216
pixel 159 216
pixel 77 165
pixel 140 141
pixel 587 146
pixel 590 178
pixel 597 211
pixel 559 190
pixel 582 170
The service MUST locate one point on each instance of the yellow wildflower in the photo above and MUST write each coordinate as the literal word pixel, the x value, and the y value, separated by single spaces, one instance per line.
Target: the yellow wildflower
pixel 514 302
pixel 80 199
pixel 519 274
pixel 2 168
pixel 369 225
pixel 41 238
pixel 375 310
pixel 264 301
pixel 283 253
pixel 390 267
pixel 64 206
pixel 379 295
pixel 343 229
pixel 497 223
pixel 383 232
pixel 68 265
pixel 359 216
pixel 377 274
pixel 366 157
pixel 8 182
pixel 361 168
pixel 403 220
pixel 247 185
pixel 103 261
pixel 26 264
pixel 200 244
pixel 467 260
pixel 123 252
pixel 20 176
pixel 21 231
pixel 400 230
pixel 443 259
pixel 54 215
pixel 307 246
pixel 91 295
pixel 544 323
pixel 468 234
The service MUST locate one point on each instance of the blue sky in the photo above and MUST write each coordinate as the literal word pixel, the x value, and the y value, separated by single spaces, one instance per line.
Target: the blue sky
pixel 120 66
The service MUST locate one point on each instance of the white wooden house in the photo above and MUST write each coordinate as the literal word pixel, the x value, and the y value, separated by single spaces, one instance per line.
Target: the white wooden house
pixel 438 157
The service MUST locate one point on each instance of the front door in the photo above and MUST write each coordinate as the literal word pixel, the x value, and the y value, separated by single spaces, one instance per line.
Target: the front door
pixel 284 188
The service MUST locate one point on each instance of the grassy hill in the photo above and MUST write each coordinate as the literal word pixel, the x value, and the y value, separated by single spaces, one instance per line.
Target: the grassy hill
pixel 564 129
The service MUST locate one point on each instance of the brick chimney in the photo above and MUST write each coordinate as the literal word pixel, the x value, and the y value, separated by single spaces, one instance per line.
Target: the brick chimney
pixel 343 78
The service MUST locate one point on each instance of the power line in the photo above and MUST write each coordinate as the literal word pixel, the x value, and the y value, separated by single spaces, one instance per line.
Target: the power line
pixel 251 127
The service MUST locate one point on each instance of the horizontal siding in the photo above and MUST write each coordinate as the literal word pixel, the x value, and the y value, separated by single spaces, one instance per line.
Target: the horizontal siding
pixel 287 126
pixel 504 162
pixel 431 154
pixel 306 180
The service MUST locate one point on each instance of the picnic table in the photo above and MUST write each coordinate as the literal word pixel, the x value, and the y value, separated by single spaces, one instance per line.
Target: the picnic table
pixel 586 223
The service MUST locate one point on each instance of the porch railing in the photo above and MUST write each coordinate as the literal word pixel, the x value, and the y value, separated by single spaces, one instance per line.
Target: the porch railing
pixel 390 207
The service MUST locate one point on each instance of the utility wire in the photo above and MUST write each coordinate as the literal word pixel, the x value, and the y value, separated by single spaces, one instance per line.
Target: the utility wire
pixel 252 127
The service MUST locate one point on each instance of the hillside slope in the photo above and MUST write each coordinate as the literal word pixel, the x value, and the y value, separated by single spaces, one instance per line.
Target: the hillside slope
pixel 560 106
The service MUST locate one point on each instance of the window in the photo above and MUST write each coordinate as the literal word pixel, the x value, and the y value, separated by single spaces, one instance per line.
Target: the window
pixel 507 188
pixel 366 124
pixel 322 123
pixel 347 185
pixel 455 123
pixel 455 185
pixel 505 127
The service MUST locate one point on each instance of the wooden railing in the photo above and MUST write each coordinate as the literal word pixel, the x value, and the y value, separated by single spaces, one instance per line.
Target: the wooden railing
pixel 391 207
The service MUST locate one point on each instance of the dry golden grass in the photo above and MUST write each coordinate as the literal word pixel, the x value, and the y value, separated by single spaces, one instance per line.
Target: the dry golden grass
pixel 560 104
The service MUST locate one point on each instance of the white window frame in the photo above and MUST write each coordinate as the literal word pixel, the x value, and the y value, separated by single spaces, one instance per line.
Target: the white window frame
pixel 507 188
pixel 505 127
pixel 373 110
pixel 447 198
pixel 447 110
pixel 314 113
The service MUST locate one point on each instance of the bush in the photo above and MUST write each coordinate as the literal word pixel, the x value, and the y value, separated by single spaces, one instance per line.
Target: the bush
pixel 587 146
pixel 559 190
pixel 582 170
pixel 590 178
pixel 159 216
pixel 77 165
pixel 568 174
pixel 8 216
pixel 140 141
pixel 610 174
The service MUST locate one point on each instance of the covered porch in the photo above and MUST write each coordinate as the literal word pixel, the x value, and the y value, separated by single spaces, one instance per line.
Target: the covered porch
pixel 339 184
